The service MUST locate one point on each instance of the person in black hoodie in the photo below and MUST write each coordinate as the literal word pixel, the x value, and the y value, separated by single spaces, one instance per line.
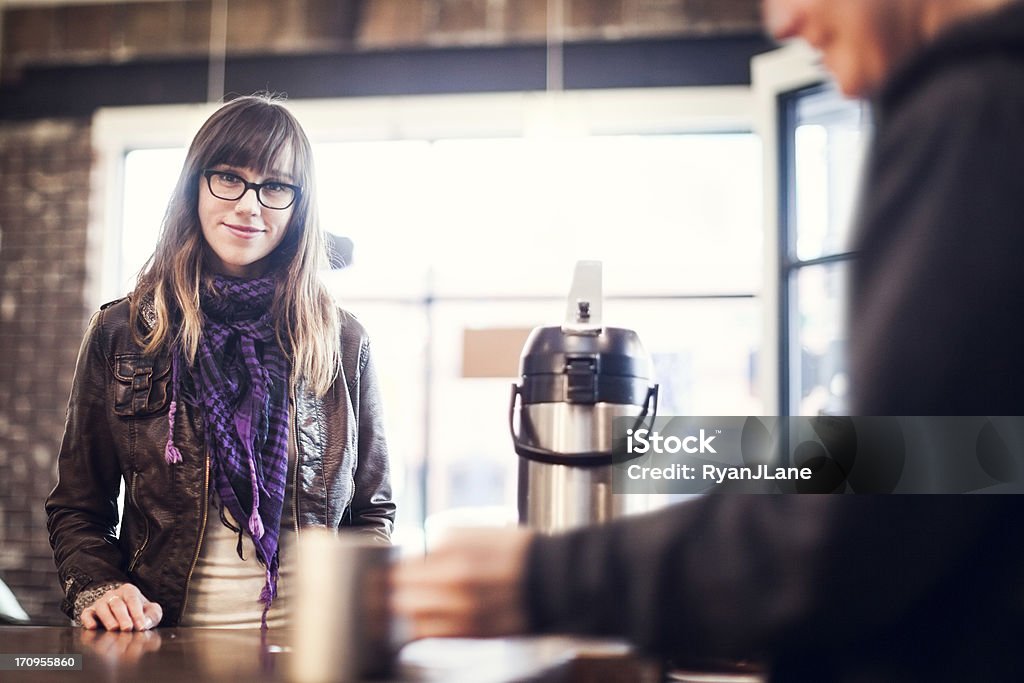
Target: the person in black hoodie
pixel 835 588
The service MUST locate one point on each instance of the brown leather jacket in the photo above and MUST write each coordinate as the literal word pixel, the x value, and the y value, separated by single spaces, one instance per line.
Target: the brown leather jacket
pixel 117 427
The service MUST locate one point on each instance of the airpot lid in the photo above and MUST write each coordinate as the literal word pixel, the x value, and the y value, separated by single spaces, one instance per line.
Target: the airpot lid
pixel 617 351
pixel 560 367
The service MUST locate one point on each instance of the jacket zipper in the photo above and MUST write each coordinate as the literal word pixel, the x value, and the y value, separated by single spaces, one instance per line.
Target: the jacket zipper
pixel 204 505
pixel 145 520
pixel 295 440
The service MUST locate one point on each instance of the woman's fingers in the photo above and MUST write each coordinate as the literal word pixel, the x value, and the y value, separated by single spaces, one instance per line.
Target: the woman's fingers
pixel 106 618
pixel 136 603
pixel 154 614
pixel 123 608
pixel 89 620
pixel 119 610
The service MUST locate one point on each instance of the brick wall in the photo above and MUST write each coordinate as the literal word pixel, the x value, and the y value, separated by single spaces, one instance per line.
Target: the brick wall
pixel 44 188
pixel 126 31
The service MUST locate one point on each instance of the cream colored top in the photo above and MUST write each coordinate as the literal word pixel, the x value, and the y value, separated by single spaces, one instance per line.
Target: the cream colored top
pixel 224 591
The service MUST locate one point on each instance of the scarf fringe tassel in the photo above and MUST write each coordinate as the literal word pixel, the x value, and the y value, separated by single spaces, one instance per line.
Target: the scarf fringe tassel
pixel 171 453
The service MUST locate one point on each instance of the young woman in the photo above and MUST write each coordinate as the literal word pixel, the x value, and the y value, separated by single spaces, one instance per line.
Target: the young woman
pixel 237 403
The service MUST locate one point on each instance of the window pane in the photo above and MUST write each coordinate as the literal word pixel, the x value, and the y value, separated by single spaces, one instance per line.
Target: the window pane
pixel 818 378
pixel 378 194
pixel 666 213
pixel 704 351
pixel 829 143
pixel 149 178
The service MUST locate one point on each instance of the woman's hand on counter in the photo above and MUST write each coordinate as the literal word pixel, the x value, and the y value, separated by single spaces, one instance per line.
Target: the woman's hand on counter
pixel 123 608
pixel 470 586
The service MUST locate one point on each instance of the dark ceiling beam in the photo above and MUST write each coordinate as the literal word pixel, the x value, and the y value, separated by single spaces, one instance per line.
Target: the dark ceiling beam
pixel 77 91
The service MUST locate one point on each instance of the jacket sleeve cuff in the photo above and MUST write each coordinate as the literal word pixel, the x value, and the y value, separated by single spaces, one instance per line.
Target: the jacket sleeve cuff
pixel 88 596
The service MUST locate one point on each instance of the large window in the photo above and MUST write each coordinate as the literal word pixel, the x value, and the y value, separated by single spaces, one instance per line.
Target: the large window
pixel 477 227
pixel 822 144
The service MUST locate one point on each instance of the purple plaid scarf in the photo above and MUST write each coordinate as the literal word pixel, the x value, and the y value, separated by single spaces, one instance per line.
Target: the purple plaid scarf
pixel 239 383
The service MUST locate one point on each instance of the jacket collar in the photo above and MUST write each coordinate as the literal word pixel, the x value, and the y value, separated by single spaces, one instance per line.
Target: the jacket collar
pixel 998 32
pixel 147 311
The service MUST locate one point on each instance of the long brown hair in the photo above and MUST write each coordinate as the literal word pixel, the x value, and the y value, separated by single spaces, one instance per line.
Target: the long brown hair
pixel 248 132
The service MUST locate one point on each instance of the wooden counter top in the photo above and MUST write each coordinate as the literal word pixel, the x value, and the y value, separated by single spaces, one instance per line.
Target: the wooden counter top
pixel 194 655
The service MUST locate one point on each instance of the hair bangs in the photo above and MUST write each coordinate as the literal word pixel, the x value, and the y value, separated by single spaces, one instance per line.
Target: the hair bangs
pixel 261 138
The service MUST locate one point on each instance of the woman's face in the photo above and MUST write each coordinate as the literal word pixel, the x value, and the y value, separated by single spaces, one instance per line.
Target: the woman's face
pixel 860 41
pixel 242 233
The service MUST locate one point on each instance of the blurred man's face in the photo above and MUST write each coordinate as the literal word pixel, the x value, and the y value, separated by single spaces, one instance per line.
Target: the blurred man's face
pixel 859 40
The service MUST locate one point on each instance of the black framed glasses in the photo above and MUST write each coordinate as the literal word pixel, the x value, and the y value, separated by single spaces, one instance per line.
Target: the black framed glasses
pixel 230 186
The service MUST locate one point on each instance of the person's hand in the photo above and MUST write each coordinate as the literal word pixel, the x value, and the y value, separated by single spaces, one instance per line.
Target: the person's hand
pixel 124 608
pixel 471 586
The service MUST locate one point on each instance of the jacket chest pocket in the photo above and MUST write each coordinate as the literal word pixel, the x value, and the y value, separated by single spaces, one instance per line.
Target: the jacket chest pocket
pixel 142 384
